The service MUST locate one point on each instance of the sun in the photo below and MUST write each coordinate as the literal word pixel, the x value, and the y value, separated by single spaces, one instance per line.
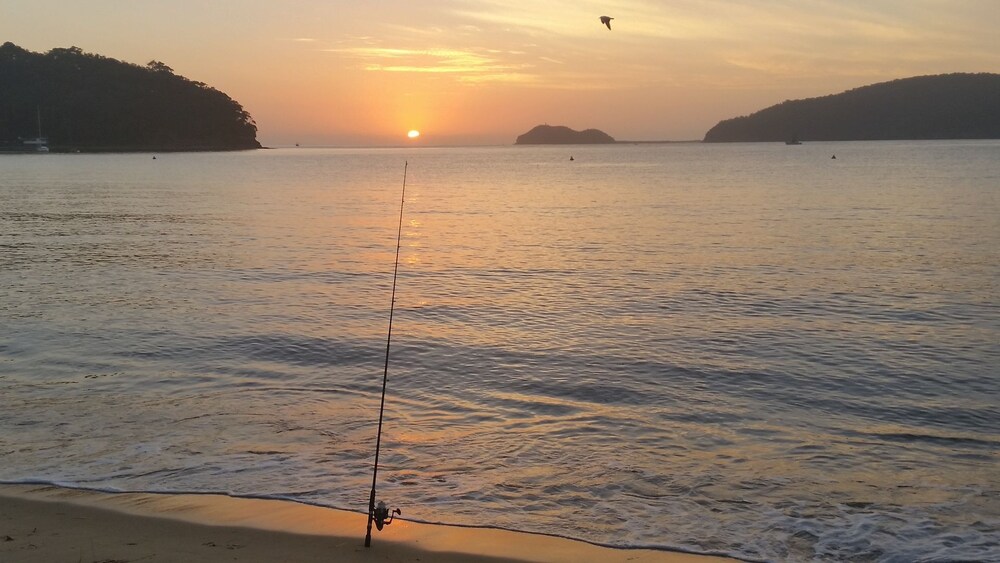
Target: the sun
pixel 413 134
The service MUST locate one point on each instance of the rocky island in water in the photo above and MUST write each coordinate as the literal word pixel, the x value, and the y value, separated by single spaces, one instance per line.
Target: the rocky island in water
pixel 68 100
pixel 559 135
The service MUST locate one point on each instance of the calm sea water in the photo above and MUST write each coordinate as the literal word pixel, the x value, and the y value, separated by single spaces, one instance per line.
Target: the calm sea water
pixel 747 349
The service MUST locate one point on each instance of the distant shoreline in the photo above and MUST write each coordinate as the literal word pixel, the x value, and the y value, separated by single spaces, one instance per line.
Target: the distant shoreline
pixel 140 150
pixel 688 142
pixel 111 150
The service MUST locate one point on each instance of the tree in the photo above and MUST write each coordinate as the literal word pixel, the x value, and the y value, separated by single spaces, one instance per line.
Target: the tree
pixel 157 66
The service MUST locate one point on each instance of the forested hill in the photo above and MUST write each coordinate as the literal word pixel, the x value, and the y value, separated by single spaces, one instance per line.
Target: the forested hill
pixel 88 102
pixel 947 106
pixel 560 135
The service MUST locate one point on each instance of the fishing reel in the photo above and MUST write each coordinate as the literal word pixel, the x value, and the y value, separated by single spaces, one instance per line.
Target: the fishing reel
pixel 382 516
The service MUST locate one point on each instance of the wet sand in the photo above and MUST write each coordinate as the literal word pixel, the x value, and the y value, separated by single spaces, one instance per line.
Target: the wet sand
pixel 51 524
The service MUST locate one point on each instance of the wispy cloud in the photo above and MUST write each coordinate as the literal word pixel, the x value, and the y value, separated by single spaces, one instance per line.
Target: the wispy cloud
pixel 472 65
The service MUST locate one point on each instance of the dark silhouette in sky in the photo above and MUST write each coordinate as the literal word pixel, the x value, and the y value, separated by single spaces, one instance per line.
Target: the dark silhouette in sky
pixel 606 21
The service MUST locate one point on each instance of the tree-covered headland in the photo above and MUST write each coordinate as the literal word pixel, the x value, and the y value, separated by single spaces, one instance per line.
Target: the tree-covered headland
pixel 88 102
pixel 946 106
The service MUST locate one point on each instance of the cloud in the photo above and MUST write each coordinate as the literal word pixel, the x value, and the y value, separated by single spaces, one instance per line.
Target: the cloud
pixel 473 65
pixel 560 44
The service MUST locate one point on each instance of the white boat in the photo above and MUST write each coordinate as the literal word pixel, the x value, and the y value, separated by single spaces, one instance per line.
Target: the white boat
pixel 39 143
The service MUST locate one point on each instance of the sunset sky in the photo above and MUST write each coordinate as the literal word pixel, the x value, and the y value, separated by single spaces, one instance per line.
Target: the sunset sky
pixel 335 72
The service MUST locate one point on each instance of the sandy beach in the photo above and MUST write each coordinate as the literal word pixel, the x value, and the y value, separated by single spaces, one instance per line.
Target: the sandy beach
pixel 53 524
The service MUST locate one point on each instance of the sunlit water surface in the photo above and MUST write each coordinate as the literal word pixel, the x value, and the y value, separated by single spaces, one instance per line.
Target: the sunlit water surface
pixel 747 349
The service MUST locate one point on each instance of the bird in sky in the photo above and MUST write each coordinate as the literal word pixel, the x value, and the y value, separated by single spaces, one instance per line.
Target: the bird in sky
pixel 606 21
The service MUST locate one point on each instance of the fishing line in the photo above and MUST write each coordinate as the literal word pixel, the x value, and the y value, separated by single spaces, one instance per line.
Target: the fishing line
pixel 380 514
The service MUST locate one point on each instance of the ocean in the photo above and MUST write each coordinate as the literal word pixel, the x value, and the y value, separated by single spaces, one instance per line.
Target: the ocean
pixel 748 349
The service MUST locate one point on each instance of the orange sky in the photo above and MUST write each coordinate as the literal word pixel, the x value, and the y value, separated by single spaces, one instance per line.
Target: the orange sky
pixel 336 72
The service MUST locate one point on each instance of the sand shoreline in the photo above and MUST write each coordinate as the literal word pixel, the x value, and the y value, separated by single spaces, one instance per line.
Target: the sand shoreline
pixel 40 523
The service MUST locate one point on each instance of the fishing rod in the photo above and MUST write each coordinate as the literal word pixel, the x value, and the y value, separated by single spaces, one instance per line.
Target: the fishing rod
pixel 380 514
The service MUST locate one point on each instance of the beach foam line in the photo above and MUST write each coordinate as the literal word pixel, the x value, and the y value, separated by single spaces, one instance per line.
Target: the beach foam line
pixel 47 523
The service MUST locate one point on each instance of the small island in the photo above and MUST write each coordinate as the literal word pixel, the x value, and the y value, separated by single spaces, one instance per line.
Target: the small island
pixel 72 101
pixel 559 135
pixel 946 106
